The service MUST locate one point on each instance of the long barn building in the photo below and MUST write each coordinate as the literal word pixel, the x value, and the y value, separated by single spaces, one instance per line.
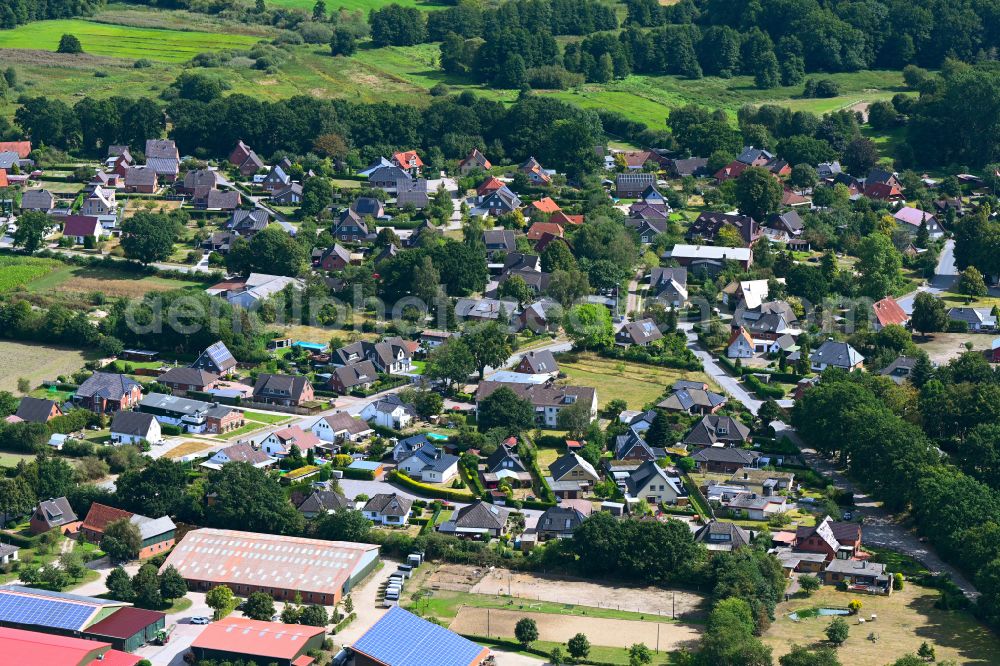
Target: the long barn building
pixel 322 572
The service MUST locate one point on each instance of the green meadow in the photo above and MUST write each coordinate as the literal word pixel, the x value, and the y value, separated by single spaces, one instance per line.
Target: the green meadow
pixel 121 41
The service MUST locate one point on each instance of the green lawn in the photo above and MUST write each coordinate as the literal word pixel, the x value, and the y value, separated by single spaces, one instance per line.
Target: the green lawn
pixel 122 41
pixel 263 417
pixel 636 383
pixel 11 459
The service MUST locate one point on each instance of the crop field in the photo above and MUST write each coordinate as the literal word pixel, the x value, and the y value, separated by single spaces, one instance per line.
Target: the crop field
pixel 63 278
pixel 122 41
pixel 36 362
pixel 18 272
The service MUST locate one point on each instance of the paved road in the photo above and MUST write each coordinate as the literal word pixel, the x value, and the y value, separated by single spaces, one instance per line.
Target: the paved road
pixel 881 527
pixel 945 276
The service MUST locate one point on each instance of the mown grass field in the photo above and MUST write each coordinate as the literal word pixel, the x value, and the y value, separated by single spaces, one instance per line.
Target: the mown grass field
pixel 121 41
pixel 68 279
pixel 905 620
pixel 635 383
pixel 36 362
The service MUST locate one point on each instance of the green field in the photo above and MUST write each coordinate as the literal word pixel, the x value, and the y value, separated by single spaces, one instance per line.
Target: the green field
pixel 635 383
pixel 120 41
pixel 17 272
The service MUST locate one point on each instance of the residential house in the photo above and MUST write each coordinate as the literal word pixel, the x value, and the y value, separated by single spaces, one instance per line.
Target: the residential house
pixel 216 359
pixel 104 393
pixel 888 312
pixel 708 225
pixel 388 509
pixel 754 156
pixel 506 464
pixel 544 315
pixel 785 226
pixel 488 186
pixel 900 369
pixel 762 482
pixel 558 522
pixel 836 354
pixel 654 484
pixel 833 539
pixel 570 476
pixel 412 192
pixel 648 228
pixel 389 412
pixel 38 200
pixel 135 427
pixel 716 430
pixel 540 362
pixel 718 536
pixel 643 332
pixel 859 576
pixel 221 200
pixel 977 319
pixel 280 442
pixel 756 507
pixel 156 534
pixel 276 179
pixel 346 378
pixel 483 309
pixel 669 285
pixel 198 182
pixel 692 166
pixel 911 219
pixel 245 160
pixel 241 452
pixel 220 419
pixel 406 447
pixel 432 339
pixel 37 410
pixel 141 180
pixel 189 415
pixel 731 171
pixel 828 170
pixel 500 201
pixel 352 228
pixel 430 464
pixel 478 520
pixel 409 161
pixel 693 400
pixel 289 195
pixel 387 178
pixel 368 207
pixel 50 514
pixel 499 241
pixel 287 390
pixel 632 185
pixel 335 258
pixel 475 161
pixel 710 259
pixel 80 227
pixel 539 229
pixel 740 344
pixel 340 427
pixel 535 173
pixel 163 158
pixel 543 208
pixel 547 399
pixel 633 447
pixel 182 380
pixel 322 502
pixel 391 356
pixel 247 223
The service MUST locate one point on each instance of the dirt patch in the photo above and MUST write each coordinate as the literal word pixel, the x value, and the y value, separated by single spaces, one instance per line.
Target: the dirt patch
pixel 943 347
pixel 649 600
pixel 187 448
pixel 667 636
pixel 454 577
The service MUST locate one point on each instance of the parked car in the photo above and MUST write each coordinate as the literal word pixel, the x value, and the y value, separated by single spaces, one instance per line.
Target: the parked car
pixel 200 620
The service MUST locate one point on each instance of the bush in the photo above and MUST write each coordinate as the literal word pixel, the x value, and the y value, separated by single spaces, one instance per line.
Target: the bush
pixel 763 390
pixel 431 491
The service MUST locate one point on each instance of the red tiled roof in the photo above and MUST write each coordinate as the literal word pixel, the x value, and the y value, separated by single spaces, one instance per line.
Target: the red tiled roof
pixel 3 178
pixel 125 622
pixel 491 184
pixel 116 658
pixel 100 515
pixel 32 647
pixel 546 205
pixel 562 218
pixel 22 148
pixel 740 333
pixel 304 439
pixel 407 159
pixel 888 311
pixel 272 640
pixel 731 170
pixel 789 198
pixel 304 660
pixel 538 229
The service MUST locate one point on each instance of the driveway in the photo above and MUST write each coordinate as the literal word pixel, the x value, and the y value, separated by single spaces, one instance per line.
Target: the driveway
pixel 945 276
pixel 881 527
pixel 366 605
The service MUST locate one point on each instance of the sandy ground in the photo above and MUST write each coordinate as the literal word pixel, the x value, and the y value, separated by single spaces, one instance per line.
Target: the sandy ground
pixel 582 593
pixel 560 628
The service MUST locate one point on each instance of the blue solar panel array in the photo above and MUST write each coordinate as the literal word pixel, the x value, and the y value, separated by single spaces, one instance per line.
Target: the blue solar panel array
pixel 54 613
pixel 401 638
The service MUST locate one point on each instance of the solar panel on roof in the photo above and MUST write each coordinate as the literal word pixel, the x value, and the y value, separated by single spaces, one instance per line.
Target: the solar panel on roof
pixel 403 639
pixel 22 609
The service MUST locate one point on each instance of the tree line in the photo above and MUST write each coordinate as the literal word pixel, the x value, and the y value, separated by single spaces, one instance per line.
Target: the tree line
pixel 17 12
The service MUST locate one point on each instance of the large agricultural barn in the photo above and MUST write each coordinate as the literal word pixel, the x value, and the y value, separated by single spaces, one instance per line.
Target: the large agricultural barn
pixel 320 571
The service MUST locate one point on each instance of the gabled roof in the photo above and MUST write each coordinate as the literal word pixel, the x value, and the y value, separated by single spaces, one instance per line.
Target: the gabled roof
pixel 738 334
pixel 190 376
pixel 35 410
pixel 219 356
pixel 715 429
pixel 243 452
pixel 163 148
pixel 505 457
pixel 269 641
pixel 285 385
pixel 81 225
pixel 725 534
pixel 480 515
pixel 725 454
pixel 138 176
pixel 389 504
pixel 683 399
pixel 55 512
pixel 106 385
pixel 836 353
pixel 640 332
pixel 101 514
pixel 136 424
pixel 22 148
pixel 560 519
pixel 323 501
pixel 345 422
pixel 540 362
pixel 888 311
pixel 476 158
pixel 647 471
pixel 564 464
